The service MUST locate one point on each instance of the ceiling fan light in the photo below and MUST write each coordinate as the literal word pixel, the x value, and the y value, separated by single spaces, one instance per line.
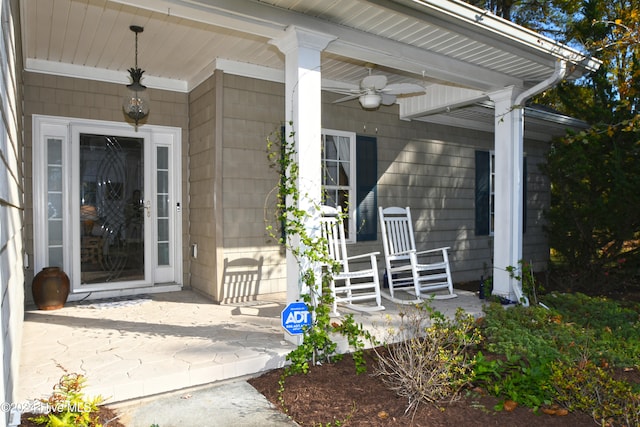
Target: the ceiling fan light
pixel 370 101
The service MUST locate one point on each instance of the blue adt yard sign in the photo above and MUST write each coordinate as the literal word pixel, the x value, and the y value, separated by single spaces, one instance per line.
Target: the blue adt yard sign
pixel 295 317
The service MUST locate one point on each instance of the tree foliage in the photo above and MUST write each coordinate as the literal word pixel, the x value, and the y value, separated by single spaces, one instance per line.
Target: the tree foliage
pixel 593 221
pixel 547 17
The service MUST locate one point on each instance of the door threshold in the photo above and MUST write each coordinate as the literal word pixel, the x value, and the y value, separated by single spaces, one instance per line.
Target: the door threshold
pixel 93 295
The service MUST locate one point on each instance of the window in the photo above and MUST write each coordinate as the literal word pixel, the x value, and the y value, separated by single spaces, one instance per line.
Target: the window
pixel 485 193
pixel 349 178
pixel 338 174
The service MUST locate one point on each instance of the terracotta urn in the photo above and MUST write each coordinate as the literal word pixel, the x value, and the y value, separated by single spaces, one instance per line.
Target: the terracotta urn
pixel 50 288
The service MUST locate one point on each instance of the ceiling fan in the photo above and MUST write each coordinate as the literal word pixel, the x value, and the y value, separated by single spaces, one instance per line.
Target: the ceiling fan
pixel 374 91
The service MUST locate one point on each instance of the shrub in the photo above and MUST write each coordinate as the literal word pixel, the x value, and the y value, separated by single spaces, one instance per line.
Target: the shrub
pixel 613 327
pixel 513 377
pixel 428 358
pixel 590 388
pixel 68 406
pixel 535 349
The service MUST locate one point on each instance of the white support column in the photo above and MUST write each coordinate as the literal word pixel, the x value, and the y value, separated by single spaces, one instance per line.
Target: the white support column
pixel 303 118
pixel 509 151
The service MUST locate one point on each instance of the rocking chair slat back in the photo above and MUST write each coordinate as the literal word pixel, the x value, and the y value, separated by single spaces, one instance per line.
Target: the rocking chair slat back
pixel 355 284
pixel 333 232
pixel 404 268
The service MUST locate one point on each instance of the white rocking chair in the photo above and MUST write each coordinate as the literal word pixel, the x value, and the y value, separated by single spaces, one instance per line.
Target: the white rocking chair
pixel 420 273
pixel 349 286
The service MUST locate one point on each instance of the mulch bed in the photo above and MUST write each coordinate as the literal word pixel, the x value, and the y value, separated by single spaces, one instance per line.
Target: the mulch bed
pixel 335 394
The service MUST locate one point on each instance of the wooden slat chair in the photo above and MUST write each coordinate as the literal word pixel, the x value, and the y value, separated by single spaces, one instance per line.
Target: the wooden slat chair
pixel 349 287
pixel 422 273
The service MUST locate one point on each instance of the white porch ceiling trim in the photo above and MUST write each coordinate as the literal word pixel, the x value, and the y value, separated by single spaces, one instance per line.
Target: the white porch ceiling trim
pixel 242 19
pixel 497 30
pixel 237 68
pixel 453 81
pixel 101 74
pixel 438 99
pixel 350 43
pixel 540 125
pixel 471 124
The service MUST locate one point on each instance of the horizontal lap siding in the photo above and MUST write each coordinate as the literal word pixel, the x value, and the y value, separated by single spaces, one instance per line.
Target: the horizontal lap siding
pixel 252 110
pixel 12 278
pixel 430 168
pixel 435 175
pixel 203 182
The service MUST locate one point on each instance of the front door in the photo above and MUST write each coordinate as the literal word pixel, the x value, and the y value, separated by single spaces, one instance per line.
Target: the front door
pixel 112 204
pixel 112 201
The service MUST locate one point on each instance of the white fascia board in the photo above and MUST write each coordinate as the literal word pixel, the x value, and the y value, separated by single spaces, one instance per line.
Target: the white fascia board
pixel 246 70
pixel 100 74
pixel 458 12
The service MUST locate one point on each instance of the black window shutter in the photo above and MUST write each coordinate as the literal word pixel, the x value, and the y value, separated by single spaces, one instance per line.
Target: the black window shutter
pixel 366 188
pixel 482 192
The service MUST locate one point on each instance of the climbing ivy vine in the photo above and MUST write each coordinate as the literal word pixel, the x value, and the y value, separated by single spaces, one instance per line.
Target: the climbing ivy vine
pixel 316 266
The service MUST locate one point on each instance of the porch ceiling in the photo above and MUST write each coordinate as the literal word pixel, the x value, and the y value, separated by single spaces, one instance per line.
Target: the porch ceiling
pixel 436 42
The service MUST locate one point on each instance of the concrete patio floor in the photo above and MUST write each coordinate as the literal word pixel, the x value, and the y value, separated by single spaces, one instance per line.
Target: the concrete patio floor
pixel 158 343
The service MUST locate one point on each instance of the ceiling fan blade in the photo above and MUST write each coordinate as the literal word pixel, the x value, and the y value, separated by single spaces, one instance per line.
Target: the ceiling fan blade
pixel 376 82
pixel 403 89
pixel 387 99
pixel 343 91
pixel 346 98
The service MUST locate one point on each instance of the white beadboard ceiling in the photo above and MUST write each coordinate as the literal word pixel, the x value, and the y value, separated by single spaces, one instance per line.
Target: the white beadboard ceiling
pixel 429 42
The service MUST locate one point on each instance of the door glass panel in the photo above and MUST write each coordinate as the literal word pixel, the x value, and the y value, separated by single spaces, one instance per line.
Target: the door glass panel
pixel 162 200
pixel 111 208
pixel 54 202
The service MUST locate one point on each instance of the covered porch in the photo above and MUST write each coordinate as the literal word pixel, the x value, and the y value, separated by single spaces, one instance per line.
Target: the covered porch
pixel 150 344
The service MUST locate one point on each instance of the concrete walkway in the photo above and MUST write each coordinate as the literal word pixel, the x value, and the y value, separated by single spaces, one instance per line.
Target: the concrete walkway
pixel 156 344
pixel 228 403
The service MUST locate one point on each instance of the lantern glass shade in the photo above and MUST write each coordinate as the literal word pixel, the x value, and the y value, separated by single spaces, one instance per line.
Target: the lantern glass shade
pixel 136 102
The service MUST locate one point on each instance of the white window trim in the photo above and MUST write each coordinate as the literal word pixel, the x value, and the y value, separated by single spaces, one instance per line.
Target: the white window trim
pixel 352 178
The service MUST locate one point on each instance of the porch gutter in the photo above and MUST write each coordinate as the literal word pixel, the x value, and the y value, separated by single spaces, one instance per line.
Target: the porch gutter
pixel 559 74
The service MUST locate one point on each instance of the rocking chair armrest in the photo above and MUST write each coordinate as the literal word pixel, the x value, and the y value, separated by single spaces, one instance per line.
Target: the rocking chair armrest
pixel 370 254
pixel 433 250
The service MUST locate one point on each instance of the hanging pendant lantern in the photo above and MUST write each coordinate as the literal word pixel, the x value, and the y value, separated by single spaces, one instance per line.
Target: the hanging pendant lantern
pixel 136 102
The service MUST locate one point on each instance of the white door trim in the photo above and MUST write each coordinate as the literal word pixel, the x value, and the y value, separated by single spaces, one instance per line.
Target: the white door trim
pixel 68 130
